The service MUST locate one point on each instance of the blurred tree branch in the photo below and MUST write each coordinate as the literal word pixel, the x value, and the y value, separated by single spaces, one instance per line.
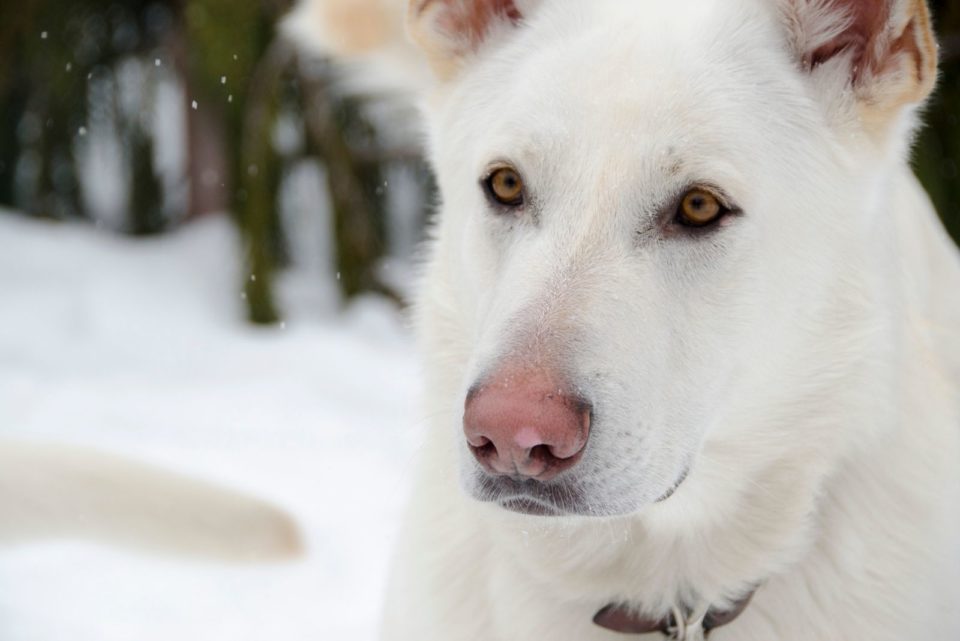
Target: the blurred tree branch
pixel 259 182
pixel 352 185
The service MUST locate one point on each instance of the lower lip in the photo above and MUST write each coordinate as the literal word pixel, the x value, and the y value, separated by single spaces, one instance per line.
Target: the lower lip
pixel 524 505
pixel 520 502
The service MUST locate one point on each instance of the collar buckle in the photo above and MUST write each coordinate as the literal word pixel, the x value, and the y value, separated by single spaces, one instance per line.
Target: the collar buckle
pixel 682 628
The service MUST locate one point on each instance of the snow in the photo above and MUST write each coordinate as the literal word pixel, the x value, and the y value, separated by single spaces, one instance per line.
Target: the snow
pixel 137 347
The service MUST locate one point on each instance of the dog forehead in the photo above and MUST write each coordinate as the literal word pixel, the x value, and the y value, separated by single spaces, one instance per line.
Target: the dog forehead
pixel 636 75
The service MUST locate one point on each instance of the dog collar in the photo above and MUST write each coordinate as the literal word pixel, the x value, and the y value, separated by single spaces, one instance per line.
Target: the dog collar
pixel 695 625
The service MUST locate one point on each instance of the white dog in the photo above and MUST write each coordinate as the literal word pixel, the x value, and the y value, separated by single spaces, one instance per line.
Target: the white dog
pixel 692 328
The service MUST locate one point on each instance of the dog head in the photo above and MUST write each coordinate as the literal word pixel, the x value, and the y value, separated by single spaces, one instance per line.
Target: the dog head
pixel 656 231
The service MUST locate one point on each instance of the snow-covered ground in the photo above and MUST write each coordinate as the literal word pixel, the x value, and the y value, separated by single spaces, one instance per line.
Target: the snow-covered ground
pixel 137 348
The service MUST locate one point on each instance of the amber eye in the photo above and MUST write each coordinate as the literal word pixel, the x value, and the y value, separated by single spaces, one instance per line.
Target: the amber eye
pixel 699 208
pixel 505 186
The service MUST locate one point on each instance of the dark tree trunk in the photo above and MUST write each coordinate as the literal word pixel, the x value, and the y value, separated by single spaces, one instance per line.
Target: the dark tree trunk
pixel 259 179
pixel 12 106
pixel 145 207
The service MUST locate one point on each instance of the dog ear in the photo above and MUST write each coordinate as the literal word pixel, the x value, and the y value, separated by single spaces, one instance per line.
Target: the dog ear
pixel 883 51
pixel 449 31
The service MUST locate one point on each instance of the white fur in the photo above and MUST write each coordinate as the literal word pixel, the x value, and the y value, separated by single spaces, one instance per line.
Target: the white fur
pixel 803 361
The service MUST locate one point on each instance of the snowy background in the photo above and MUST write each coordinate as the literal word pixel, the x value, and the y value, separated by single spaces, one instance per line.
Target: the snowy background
pixel 137 347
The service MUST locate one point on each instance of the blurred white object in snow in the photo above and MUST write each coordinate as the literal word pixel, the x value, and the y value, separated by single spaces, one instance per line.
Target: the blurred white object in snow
pixel 138 348
pixel 53 492
pixel 367 38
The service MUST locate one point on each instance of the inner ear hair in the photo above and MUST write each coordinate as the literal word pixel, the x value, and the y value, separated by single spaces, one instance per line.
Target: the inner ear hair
pixel 885 49
pixel 466 20
pixel 879 36
pixel 450 30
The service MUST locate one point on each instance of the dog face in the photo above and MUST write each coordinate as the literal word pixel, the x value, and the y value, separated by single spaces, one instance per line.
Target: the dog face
pixel 648 215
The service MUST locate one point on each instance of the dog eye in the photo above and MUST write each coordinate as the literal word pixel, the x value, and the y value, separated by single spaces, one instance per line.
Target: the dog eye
pixel 505 186
pixel 699 208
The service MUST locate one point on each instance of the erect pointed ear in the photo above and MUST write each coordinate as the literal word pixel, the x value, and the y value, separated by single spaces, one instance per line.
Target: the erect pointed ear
pixel 449 31
pixel 884 49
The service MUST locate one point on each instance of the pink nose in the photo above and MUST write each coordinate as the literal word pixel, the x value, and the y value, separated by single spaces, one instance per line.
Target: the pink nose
pixel 525 423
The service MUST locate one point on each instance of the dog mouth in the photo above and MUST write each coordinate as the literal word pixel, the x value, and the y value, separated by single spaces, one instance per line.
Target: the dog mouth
pixel 534 498
pixel 531 497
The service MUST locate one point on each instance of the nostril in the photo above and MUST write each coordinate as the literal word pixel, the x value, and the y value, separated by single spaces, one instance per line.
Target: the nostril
pixel 543 454
pixel 548 454
pixel 484 449
pixel 476 440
